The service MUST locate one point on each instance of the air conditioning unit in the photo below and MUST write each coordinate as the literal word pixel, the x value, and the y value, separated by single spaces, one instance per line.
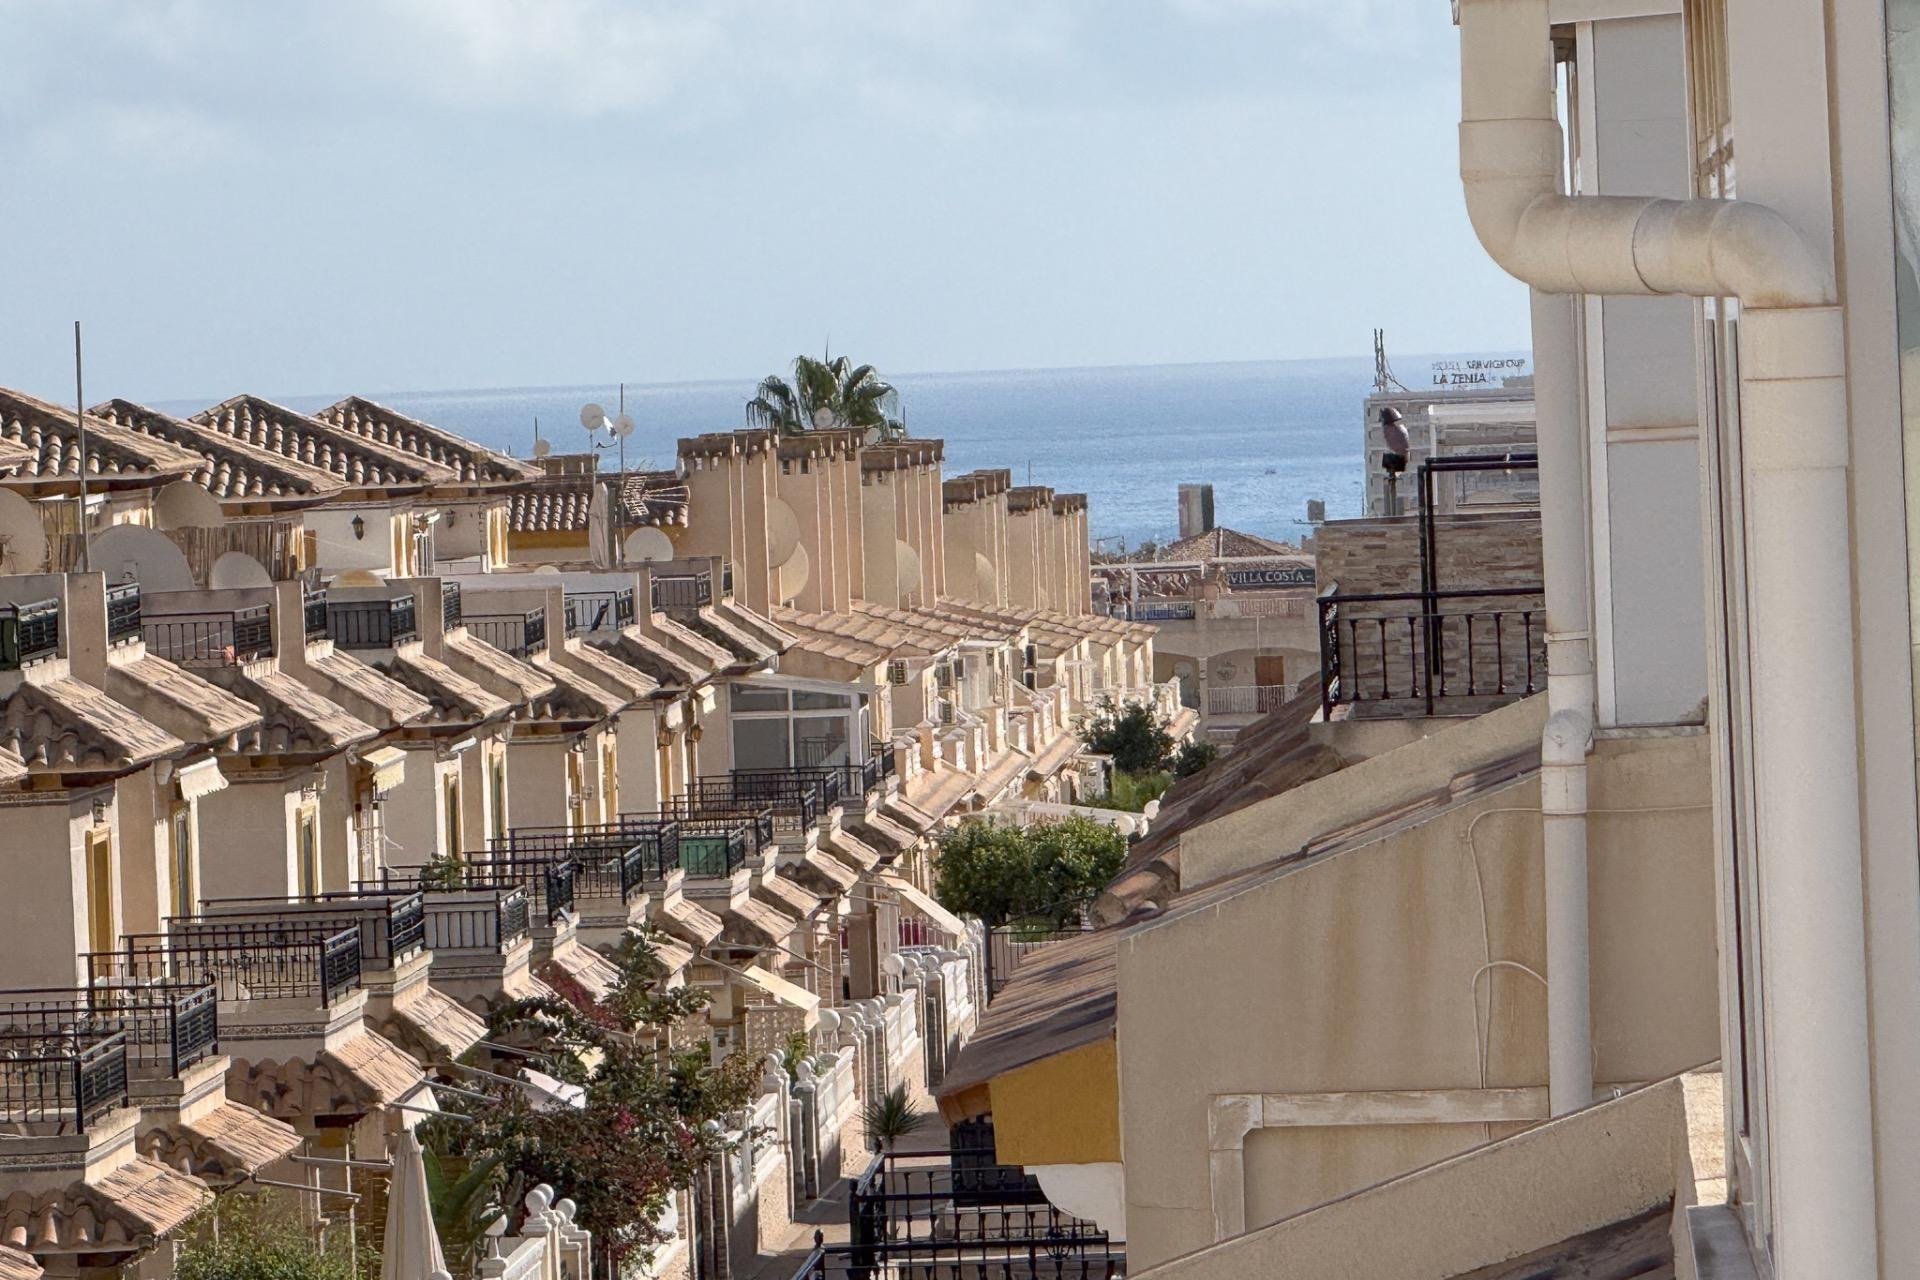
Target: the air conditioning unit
pixel 897 671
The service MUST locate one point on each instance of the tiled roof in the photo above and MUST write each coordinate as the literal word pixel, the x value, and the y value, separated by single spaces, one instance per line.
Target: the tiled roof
pixel 1220 542
pixel 229 468
pixel 297 719
pixel 454 698
pixel 747 649
pixel 605 669
pixel 393 701
pixel 360 462
pixel 124 1211
pixel 179 701
pixel 526 680
pixel 13 455
pixel 48 433
pixel 668 669
pixel 66 725
pixel 469 462
pixel 15 1265
pixel 703 653
pixel 561 503
pixel 1063 997
pixel 574 699
pixel 558 505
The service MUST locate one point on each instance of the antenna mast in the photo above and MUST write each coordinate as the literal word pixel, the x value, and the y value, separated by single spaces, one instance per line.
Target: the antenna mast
pixel 1383 379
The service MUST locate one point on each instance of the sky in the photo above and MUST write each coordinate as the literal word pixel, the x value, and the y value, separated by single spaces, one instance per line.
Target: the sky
pixel 295 197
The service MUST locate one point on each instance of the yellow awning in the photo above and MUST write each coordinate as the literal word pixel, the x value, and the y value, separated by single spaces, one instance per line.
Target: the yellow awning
pixel 790 993
pixel 934 913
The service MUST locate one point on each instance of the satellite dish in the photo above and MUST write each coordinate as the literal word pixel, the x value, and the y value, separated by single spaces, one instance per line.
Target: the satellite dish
pixel 593 417
pixel 541 448
pixel 822 418
pixel 23 540
pixel 623 425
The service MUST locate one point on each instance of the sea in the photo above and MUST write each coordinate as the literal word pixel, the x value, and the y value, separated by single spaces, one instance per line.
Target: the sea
pixel 1268 435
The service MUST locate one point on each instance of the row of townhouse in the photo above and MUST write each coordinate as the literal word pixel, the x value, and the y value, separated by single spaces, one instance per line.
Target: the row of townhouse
pixel 322 736
pixel 1429 979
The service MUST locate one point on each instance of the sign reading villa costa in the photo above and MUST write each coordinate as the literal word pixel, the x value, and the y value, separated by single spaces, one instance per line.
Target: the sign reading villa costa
pixel 1291 575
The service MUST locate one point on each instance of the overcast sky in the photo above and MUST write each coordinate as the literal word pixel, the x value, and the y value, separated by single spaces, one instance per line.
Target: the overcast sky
pixel 414 194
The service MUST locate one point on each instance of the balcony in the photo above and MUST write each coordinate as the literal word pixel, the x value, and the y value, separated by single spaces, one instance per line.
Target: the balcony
pixel 313 612
pixel 612 861
pixel 521 635
pixel 592 611
pixel 168 1027
pixel 210 638
pixel 245 960
pixel 1009 946
pixel 1427 653
pixel 56 1080
pixel 954 1215
pixel 475 919
pixel 392 926
pixel 1248 699
pixel 683 590
pixel 798 796
pixel 545 885
pixel 123 613
pixel 372 624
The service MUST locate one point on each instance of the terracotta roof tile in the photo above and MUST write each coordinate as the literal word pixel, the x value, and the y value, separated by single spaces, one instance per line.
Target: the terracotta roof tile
pixel 529 680
pixel 1221 542
pixel 635 648
pixel 189 708
pixel 15 1265
pixel 48 433
pixel 455 699
pixel 381 1069
pixel 603 668
pixel 12 767
pixel 398 705
pixel 297 719
pixel 753 923
pixel 551 506
pixel 469 462
pixel 229 468
pixel 239 1140
pixel 789 896
pixel 574 698
pixel 66 725
pixel 361 463
pixel 687 919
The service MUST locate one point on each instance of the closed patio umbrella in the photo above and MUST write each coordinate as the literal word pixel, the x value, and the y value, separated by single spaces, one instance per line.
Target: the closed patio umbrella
pixel 412 1248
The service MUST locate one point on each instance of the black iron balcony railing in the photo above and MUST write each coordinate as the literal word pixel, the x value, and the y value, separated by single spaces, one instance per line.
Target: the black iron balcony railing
pixel 683 590
pixel 520 634
pixel 466 918
pixel 245 960
pixel 450 616
pixel 61 1079
pixel 123 612
pixel 850 782
pixel 590 611
pixel 1423 650
pixel 313 612
pixel 611 860
pixel 714 848
pixel 214 638
pixel 797 796
pixel 1009 946
pixel 169 1026
pixel 547 886
pixel 726 579
pixel 393 926
pixel 372 624
pixel 28 633
pixel 883 756
pixel 689 817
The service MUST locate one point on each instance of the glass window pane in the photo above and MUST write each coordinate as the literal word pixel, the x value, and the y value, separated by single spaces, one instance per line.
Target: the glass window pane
pixel 760 744
pixel 747 697
pixel 808 700
pixel 821 740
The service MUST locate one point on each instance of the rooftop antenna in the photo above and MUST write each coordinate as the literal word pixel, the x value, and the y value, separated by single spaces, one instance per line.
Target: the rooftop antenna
pixel 622 428
pixel 1383 379
pixel 80 425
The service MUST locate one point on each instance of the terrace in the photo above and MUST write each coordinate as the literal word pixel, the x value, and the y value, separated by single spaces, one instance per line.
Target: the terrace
pixel 519 635
pixel 245 960
pixel 377 623
pixel 591 611
pixel 208 637
pixel 29 633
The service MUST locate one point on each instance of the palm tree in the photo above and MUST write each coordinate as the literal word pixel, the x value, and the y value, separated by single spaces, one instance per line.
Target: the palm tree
pixel 829 393
pixel 890 1117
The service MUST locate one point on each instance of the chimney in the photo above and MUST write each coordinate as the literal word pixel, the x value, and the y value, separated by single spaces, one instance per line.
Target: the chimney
pixel 1196 510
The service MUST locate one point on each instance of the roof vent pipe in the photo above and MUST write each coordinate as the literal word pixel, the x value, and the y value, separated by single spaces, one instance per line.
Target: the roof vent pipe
pixel 1795 440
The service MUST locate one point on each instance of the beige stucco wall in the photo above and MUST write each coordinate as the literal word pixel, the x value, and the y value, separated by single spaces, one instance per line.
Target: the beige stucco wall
pixel 409 816
pixel 1367 970
pixel 43 916
pixel 246 838
pixel 1592 1169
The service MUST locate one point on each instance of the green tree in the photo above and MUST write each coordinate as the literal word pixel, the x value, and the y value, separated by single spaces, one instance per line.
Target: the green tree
pixel 1044 874
pixel 1134 734
pixel 1193 756
pixel 250 1236
pixel 644 1129
pixel 831 392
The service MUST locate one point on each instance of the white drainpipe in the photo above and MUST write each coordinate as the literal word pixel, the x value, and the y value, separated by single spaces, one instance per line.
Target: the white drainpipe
pixel 1795 442
pixel 1570 701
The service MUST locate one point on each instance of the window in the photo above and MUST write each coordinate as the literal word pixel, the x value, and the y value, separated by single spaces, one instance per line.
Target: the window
pixel 762 744
pixel 497 795
pixel 450 815
pixel 308 853
pixel 100 891
pixel 181 859
pixel 780 727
